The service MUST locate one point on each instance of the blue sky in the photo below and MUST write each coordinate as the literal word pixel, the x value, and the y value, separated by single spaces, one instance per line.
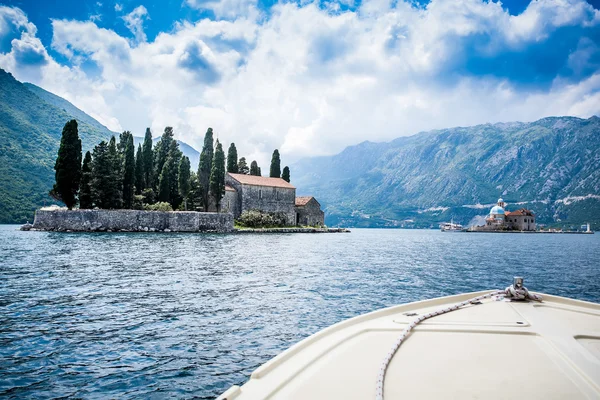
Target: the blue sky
pixel 307 77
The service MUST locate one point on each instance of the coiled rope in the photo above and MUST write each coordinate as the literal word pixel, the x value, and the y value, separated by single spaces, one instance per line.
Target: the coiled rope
pixel 511 292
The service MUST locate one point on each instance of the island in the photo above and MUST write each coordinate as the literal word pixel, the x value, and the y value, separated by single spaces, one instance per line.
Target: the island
pixel 154 190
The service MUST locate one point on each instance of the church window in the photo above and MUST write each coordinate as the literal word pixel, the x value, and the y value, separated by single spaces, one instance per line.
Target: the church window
pixel 260 193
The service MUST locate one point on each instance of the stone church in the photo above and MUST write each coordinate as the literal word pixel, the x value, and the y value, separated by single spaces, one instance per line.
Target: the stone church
pixel 249 192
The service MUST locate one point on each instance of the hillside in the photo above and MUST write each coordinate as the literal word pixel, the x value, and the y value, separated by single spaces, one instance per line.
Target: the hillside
pixel 30 131
pixel 551 166
pixel 31 122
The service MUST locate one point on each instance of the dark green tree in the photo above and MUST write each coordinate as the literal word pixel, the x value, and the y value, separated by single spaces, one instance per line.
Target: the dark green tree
pixel 259 172
pixel 68 166
pixel 175 154
pixel 128 157
pixel 115 183
pixel 286 174
pixel 161 152
pixel 254 170
pixel 243 166
pixel 184 179
pixel 139 171
pixel 85 187
pixel 275 171
pixel 148 160
pixel 164 183
pixel 101 170
pixel 217 176
pixel 232 161
pixel 205 166
pixel 194 199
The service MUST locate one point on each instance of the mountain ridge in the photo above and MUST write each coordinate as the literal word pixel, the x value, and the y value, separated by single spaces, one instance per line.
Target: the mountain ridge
pixel 391 183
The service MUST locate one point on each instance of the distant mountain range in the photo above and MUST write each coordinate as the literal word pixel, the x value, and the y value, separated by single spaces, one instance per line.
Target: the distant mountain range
pixel 551 166
pixel 31 122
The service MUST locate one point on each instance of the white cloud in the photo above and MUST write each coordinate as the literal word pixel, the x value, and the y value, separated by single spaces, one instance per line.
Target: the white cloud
pixel 118 7
pixel 226 8
pixel 135 22
pixel 309 81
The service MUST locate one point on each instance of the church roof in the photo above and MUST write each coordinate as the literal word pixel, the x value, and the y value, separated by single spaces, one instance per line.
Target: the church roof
pixel 303 200
pixel 522 211
pixel 230 189
pixel 496 210
pixel 261 181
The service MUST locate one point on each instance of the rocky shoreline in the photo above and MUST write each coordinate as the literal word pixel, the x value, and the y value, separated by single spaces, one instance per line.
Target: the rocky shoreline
pixel 292 230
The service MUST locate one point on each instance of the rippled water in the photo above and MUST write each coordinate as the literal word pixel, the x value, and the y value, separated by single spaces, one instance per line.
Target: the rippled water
pixel 188 315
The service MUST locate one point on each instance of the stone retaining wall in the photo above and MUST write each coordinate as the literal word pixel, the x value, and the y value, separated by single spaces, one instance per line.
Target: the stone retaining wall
pixel 132 220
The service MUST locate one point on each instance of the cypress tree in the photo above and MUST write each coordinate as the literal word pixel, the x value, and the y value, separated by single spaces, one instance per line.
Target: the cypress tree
pixel 85 187
pixel 115 183
pixel 161 152
pixel 100 176
pixel 148 160
pixel 243 167
pixel 275 171
pixel 205 166
pixel 232 161
pixel 184 179
pixel 175 156
pixel 139 171
pixel 128 169
pixel 259 172
pixel 164 184
pixel 194 199
pixel 286 174
pixel 68 166
pixel 254 170
pixel 217 175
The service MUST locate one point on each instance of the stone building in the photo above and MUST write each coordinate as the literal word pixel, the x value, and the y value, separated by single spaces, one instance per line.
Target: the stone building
pixel 249 192
pixel 521 220
pixel 500 220
pixel 308 212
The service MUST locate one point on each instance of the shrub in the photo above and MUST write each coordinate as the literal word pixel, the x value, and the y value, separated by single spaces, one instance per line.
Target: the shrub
pixel 260 219
pixel 161 206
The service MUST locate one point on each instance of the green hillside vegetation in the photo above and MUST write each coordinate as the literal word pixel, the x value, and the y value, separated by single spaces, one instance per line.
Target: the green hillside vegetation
pixel 427 178
pixel 30 131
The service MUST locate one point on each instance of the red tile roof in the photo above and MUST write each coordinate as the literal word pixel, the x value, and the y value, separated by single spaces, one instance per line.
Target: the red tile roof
pixel 261 181
pixel 303 200
pixel 230 189
pixel 521 212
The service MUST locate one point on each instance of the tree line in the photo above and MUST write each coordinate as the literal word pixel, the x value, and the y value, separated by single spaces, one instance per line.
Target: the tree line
pixel 116 176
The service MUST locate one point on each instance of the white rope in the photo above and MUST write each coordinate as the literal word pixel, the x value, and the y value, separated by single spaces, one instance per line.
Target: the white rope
pixel 510 292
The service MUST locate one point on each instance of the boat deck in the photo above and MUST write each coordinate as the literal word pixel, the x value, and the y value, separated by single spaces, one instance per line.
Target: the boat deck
pixel 493 350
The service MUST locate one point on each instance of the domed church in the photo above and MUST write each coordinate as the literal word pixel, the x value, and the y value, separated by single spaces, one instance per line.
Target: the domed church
pixel 501 220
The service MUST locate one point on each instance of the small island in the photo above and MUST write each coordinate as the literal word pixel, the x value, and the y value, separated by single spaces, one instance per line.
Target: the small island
pixel 115 188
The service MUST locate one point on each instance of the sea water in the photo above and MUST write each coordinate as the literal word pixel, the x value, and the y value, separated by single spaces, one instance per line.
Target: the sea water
pixel 141 315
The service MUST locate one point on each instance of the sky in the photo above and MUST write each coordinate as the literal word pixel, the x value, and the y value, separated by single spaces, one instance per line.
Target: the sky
pixel 308 77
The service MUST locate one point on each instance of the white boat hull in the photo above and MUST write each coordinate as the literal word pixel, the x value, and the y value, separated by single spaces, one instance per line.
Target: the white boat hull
pixel 494 350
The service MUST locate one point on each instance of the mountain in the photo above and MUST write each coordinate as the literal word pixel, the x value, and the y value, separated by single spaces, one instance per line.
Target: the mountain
pixel 31 123
pixel 30 131
pixel 551 166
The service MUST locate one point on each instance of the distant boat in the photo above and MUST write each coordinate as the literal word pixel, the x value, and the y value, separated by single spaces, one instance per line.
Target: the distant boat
pixel 451 226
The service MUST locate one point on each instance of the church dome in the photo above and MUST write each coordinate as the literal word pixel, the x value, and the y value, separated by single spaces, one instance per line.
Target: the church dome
pixel 497 210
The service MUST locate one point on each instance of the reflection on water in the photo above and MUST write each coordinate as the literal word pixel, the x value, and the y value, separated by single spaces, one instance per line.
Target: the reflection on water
pixel 187 315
